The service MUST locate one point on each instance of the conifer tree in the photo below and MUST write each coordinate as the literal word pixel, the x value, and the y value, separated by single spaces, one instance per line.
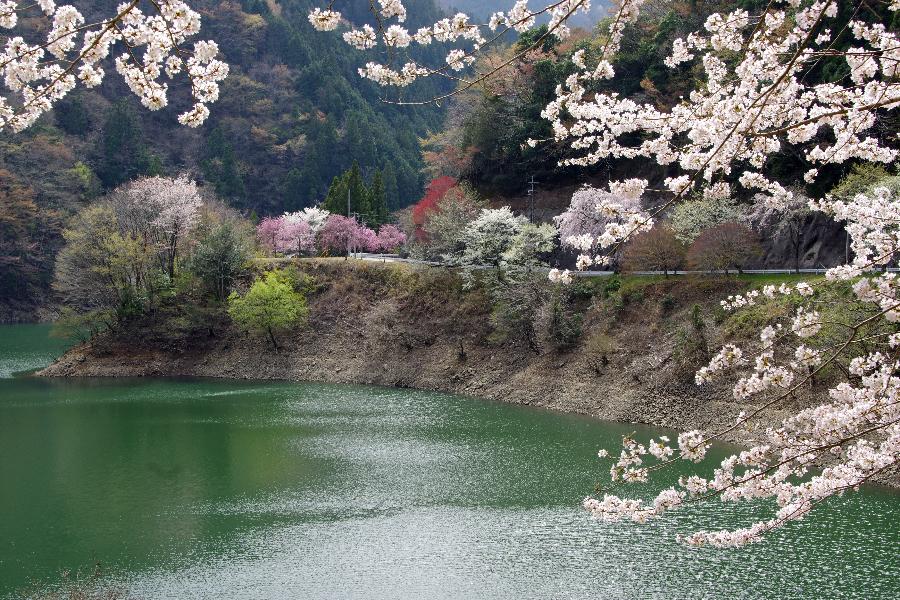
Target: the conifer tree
pixel 300 189
pixel 391 190
pixel 123 152
pixel 359 194
pixel 336 200
pixel 378 200
pixel 221 167
pixel 359 140
pixel 72 117
pixel 351 182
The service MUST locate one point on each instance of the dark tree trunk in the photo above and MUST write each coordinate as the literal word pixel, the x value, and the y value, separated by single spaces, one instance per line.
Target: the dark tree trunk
pixel 272 339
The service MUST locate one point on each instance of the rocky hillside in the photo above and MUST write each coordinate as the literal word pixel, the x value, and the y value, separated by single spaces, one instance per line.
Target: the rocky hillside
pixel 485 8
pixel 640 341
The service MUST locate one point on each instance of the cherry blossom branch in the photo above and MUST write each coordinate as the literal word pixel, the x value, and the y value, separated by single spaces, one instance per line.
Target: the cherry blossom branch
pixel 24 68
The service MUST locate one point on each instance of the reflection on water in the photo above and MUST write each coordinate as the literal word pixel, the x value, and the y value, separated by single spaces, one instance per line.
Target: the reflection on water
pixel 27 347
pixel 209 489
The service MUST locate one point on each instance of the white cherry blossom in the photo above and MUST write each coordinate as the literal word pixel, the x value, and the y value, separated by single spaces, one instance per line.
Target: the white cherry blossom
pixel 152 47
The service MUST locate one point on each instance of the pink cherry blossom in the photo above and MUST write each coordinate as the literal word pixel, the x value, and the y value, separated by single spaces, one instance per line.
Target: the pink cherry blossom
pixel 390 237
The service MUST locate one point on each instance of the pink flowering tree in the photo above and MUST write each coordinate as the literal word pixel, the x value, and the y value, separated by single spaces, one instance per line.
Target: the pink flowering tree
pixel 267 233
pixel 294 236
pixel 390 238
pixel 149 40
pixel 292 232
pixel 366 240
pixel 755 97
pixel 342 235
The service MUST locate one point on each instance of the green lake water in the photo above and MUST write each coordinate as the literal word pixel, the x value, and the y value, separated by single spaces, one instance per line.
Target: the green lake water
pixel 224 489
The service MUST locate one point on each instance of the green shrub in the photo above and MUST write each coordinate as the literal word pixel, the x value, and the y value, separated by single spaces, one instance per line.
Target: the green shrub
pixel 667 303
pixel 632 296
pixel 585 288
pixel 609 286
pixel 599 347
pixel 300 282
pixel 691 346
pixel 563 323
pixel 691 351
pixel 697 322
pixel 271 305
pixel 515 305
pixel 219 257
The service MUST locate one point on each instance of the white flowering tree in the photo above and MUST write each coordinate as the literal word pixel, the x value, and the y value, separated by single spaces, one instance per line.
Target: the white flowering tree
pixel 160 210
pixel 755 99
pixel 147 38
pixel 489 237
pixel 312 216
pixel 595 218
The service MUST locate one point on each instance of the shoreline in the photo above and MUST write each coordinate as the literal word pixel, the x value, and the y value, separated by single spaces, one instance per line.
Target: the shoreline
pixel 633 360
pixel 687 420
pixel 616 395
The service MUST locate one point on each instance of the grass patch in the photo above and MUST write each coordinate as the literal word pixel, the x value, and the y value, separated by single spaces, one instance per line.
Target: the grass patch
pixel 761 279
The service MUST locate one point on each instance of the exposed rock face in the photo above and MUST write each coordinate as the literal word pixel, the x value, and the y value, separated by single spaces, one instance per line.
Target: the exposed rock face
pixel 822 244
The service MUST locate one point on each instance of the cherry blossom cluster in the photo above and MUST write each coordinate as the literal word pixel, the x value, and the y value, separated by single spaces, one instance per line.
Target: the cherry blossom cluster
pixel 769 292
pixel 598 219
pixel 151 50
pixel 746 110
pixel 172 206
pixel 315 229
pixel 465 38
pixel 822 451
pixel 563 276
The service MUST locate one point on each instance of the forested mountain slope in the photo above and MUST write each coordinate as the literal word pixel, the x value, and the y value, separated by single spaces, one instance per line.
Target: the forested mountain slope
pixel 293 114
pixel 484 8
pixel 487 128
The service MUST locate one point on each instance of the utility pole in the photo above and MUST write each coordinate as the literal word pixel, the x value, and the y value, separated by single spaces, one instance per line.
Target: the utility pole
pixel 531 200
pixel 350 246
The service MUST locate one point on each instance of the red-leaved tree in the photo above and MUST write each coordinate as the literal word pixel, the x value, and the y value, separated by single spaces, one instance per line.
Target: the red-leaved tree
pixel 434 193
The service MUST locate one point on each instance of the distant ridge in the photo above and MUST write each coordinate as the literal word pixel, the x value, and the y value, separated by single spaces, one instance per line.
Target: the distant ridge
pixel 484 8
